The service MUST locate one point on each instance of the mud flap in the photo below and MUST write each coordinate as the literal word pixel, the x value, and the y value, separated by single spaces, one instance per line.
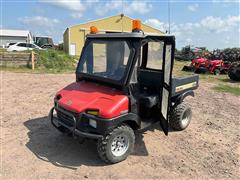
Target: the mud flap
pixel 166 91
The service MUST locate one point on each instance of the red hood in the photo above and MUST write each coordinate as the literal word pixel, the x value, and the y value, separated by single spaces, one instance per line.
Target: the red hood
pixel 199 60
pixel 80 96
pixel 216 61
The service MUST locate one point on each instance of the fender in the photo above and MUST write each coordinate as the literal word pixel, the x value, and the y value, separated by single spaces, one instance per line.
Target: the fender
pixel 179 98
pixel 104 124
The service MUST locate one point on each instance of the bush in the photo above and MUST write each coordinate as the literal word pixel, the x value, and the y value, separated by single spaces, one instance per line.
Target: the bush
pixel 55 60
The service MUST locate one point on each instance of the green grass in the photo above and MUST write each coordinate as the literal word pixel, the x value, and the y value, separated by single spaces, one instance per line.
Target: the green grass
pixel 53 60
pixel 228 89
pixel 177 68
pixel 25 69
pixel 48 61
pixel 3 50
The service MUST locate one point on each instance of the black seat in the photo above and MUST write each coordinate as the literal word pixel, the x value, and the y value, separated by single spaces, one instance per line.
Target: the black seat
pixel 148 100
pixel 150 82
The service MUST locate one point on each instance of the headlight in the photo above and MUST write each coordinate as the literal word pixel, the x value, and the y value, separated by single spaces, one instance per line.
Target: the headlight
pixel 57 97
pixel 93 123
pixel 93 112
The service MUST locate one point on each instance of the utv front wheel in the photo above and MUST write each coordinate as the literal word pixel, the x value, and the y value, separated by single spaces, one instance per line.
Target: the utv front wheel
pixel 181 116
pixel 117 144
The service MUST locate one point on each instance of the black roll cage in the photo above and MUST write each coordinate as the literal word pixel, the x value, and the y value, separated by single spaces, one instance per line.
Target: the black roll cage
pixel 136 42
pixel 110 82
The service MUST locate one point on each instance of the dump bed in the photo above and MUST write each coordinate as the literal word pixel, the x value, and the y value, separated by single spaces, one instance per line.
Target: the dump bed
pixel 180 85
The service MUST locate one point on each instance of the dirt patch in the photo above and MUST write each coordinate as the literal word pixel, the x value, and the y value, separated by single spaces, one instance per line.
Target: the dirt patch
pixel 33 149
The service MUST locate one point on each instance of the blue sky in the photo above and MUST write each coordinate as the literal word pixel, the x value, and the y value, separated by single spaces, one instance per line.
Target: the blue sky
pixel 210 23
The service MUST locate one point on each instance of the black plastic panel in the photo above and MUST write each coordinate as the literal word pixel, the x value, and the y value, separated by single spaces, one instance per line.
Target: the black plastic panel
pixel 184 81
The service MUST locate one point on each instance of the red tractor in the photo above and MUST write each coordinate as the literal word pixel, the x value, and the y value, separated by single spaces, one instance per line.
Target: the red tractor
pixel 203 65
pixel 124 84
pixel 218 67
pixel 196 64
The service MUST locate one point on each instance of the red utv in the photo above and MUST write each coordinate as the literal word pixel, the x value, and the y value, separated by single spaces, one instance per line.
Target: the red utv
pixel 123 84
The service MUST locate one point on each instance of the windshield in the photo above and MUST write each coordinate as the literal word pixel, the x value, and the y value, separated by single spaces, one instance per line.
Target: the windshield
pixel 105 58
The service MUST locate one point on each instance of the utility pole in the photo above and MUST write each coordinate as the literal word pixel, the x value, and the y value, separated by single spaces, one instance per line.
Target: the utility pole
pixel 122 16
pixel 169 17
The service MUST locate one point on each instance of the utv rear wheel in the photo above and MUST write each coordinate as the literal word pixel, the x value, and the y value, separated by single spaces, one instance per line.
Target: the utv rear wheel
pixel 117 144
pixel 181 116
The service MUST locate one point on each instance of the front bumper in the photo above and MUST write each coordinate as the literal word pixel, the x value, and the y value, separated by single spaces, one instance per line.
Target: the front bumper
pixel 72 124
pixel 79 123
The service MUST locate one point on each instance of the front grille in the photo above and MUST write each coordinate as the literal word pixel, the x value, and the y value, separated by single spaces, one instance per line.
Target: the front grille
pixel 65 118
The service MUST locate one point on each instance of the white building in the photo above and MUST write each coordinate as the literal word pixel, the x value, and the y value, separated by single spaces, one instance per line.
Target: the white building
pixel 13 36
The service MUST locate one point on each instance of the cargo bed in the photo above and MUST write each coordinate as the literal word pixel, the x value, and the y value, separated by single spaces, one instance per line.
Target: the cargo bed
pixel 179 85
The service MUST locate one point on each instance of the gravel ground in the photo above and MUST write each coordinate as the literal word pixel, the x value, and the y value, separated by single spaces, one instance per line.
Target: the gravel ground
pixel 33 149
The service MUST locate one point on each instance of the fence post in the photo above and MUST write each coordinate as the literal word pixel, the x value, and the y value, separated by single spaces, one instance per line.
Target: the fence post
pixel 33 60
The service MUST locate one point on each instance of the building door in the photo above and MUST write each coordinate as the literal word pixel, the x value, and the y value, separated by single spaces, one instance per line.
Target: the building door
pixel 72 51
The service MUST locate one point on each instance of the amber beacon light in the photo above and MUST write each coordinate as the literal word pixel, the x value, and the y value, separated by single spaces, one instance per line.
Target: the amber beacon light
pixel 136 25
pixel 93 30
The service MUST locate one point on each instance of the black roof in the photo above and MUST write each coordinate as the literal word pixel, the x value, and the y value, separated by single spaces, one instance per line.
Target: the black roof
pixel 127 35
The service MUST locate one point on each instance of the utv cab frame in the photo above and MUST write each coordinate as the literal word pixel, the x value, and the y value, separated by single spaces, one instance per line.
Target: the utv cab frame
pixel 123 84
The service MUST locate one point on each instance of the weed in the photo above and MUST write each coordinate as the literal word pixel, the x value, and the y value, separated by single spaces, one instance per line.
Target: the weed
pixel 229 89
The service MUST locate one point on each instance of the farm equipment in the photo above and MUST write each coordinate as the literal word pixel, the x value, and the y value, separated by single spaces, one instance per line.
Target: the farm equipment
pixel 44 42
pixel 229 54
pixel 218 67
pixel 234 72
pixel 188 54
pixel 215 67
pixel 203 65
pixel 123 84
pixel 196 64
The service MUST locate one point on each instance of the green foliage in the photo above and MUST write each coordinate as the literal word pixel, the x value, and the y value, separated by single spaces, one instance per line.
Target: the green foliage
pixel 55 60
pixel 229 89
pixel 3 50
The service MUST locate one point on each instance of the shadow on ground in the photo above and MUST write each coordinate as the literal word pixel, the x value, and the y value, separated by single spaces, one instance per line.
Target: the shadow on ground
pixel 50 145
pixel 63 151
